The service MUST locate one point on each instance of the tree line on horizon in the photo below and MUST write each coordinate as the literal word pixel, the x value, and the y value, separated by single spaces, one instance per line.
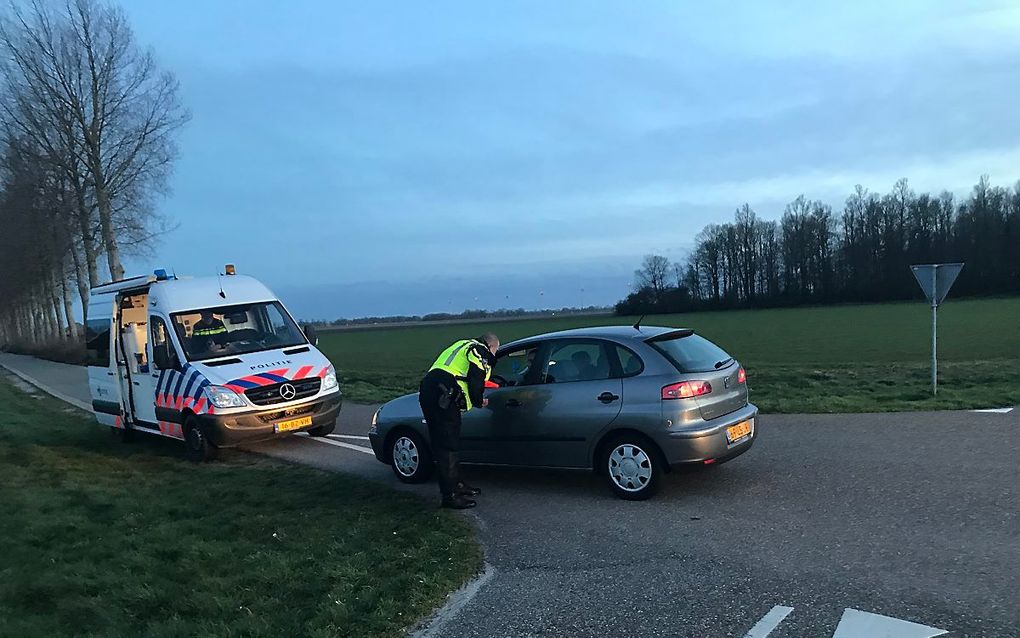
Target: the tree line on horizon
pixel 87 127
pixel 863 253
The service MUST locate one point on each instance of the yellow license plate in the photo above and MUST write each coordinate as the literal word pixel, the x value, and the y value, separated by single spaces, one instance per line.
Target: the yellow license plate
pixel 293 424
pixel 738 431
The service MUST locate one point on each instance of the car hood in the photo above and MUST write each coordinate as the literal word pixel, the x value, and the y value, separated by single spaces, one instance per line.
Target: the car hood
pixel 242 372
pixel 404 409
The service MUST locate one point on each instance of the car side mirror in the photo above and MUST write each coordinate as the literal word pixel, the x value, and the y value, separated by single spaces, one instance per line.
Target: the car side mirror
pixel 162 357
pixel 313 337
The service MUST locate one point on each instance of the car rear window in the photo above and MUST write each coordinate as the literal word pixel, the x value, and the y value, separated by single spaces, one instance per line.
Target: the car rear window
pixel 692 353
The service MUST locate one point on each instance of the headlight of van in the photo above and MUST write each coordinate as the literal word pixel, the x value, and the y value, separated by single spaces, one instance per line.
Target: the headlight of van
pixel 224 397
pixel 329 379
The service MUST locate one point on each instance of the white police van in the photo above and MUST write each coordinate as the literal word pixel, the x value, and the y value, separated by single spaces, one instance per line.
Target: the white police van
pixel 258 377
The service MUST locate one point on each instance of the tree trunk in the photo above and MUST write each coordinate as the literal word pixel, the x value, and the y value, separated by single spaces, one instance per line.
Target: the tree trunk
pixel 106 219
pixel 63 325
pixel 87 242
pixel 82 284
pixel 72 326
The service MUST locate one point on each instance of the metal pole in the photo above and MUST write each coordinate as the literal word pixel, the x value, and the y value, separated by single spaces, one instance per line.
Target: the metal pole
pixel 934 333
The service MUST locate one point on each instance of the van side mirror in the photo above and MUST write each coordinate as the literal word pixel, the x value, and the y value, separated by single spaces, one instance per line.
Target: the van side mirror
pixel 163 358
pixel 313 337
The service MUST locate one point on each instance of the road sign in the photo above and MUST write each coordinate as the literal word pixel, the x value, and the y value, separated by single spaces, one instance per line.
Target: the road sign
pixel 935 281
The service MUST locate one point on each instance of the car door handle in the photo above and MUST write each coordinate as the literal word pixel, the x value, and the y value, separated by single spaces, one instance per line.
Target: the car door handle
pixel 608 397
pixel 512 403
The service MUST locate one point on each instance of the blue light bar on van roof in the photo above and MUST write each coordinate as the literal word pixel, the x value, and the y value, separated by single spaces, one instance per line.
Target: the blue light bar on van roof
pixel 160 274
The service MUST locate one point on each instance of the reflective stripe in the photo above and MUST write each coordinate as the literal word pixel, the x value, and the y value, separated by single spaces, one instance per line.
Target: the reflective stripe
pixel 453 355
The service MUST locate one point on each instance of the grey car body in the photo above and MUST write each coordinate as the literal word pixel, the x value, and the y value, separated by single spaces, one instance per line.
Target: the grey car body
pixel 572 413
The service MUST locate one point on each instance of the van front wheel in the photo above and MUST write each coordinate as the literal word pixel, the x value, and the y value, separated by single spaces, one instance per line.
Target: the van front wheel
pixel 196 444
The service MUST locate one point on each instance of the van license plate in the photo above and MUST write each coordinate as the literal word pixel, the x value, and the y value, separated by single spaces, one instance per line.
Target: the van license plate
pixel 738 431
pixel 293 424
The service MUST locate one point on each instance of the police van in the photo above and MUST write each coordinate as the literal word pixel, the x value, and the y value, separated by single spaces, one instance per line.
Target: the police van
pixel 212 361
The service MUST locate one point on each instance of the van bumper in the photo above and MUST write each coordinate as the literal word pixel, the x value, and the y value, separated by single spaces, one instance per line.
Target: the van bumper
pixel 230 430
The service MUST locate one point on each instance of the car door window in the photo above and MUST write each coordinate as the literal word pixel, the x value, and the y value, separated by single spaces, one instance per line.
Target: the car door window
pixel 516 368
pixel 577 361
pixel 630 363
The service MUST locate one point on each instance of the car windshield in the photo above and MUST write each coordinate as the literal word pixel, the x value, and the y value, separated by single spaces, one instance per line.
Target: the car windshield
pixel 234 330
pixel 693 353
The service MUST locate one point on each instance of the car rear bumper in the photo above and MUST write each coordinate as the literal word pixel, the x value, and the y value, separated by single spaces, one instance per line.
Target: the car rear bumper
pixel 236 429
pixel 707 441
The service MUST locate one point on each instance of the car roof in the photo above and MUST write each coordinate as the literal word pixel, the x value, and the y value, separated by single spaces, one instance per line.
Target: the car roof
pixel 175 295
pixel 614 333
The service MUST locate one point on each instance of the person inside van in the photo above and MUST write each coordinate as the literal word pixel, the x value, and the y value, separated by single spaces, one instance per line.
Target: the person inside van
pixel 208 333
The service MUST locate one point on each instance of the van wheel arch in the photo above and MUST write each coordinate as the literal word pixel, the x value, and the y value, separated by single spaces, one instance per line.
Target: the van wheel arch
pixel 611 435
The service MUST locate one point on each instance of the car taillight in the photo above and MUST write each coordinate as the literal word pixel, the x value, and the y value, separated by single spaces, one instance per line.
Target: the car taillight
pixel 741 376
pixel 686 389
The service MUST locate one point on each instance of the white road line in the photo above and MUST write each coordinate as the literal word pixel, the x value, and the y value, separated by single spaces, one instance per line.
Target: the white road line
pixel 769 622
pixel 349 446
pixel 861 624
pixel 348 436
pixel 995 410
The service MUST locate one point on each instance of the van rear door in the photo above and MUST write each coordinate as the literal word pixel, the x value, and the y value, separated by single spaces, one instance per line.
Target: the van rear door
pixel 104 377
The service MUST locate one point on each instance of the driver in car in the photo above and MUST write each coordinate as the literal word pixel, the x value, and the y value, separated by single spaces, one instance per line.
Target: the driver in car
pixel 208 333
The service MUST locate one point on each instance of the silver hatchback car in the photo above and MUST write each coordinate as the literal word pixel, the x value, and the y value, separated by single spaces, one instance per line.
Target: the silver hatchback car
pixel 627 402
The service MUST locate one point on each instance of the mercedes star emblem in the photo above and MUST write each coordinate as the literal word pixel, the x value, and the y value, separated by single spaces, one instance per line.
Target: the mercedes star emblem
pixel 287 392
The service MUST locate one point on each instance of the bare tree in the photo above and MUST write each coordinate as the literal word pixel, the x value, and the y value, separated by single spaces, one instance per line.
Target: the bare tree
pixel 653 274
pixel 83 90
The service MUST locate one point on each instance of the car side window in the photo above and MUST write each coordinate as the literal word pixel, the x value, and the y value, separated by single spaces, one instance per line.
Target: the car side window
pixel 160 337
pixel 630 363
pixel 578 361
pixel 516 368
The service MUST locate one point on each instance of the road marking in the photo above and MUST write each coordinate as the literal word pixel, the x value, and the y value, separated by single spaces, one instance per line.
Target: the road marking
pixel 769 622
pixel 861 624
pixel 349 446
pixel 995 410
pixel 348 436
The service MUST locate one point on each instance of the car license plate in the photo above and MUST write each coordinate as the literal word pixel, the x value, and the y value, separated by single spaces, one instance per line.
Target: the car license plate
pixel 736 432
pixel 293 424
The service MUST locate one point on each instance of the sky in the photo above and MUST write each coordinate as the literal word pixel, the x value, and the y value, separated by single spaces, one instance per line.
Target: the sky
pixel 374 158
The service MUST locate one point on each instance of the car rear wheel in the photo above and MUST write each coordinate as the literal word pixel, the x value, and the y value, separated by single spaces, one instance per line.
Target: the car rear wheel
pixel 323 430
pixel 632 467
pixel 410 458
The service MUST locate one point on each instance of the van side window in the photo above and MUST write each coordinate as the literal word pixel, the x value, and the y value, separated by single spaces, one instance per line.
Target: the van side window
pixel 161 338
pixel 97 342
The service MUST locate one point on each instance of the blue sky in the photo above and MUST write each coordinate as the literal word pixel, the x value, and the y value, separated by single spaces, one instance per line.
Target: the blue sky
pixel 381 158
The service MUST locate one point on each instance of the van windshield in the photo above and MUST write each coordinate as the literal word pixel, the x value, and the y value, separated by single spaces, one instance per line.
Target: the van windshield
pixel 233 330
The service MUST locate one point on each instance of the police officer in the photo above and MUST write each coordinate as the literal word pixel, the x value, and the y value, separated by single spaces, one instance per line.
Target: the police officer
pixel 455 383
pixel 208 331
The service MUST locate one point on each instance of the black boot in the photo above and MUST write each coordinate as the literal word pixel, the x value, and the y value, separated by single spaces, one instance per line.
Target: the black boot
pixel 457 502
pixel 464 489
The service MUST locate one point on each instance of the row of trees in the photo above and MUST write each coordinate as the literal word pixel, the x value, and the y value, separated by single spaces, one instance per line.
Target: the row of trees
pixel 87 125
pixel 863 253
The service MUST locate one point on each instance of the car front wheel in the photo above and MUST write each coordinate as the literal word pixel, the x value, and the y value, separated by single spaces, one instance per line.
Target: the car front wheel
pixel 632 467
pixel 410 458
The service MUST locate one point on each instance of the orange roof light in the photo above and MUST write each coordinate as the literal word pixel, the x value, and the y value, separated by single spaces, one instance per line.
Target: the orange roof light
pixel 229 269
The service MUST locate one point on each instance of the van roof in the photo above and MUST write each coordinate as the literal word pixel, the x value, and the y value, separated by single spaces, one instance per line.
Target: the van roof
pixel 175 295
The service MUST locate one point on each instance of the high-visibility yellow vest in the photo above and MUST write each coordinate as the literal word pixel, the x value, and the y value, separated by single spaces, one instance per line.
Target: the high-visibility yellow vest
pixel 458 359
pixel 208 332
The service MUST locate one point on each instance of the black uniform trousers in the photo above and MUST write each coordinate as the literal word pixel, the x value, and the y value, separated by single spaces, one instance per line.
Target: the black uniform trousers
pixel 444 427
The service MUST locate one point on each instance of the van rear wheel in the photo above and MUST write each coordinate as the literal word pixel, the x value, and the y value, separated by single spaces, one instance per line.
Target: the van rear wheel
pixel 196 444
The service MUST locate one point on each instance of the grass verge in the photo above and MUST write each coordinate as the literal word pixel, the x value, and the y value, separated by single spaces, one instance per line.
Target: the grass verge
pixel 819 359
pixel 113 539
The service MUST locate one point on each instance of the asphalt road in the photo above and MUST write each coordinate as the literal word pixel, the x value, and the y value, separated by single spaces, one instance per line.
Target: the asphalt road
pixel 911 516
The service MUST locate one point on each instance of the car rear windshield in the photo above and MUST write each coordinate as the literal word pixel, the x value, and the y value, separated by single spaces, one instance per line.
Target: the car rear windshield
pixel 693 353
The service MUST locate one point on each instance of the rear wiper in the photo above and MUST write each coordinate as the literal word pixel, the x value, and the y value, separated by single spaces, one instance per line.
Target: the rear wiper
pixel 719 364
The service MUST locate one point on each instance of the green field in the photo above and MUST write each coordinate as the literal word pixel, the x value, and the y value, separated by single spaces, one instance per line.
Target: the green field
pixel 102 538
pixel 819 359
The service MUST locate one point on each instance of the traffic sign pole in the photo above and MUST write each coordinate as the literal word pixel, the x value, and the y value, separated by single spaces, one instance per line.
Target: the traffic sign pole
pixel 934 336
pixel 935 281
